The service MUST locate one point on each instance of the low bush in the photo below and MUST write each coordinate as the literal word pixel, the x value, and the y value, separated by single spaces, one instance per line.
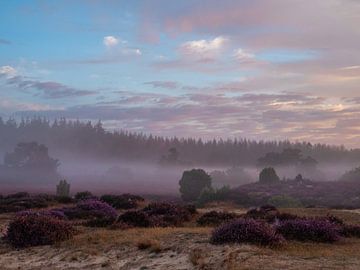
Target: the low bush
pixel 35 230
pixel 214 218
pixel 135 219
pixel 266 212
pixel 18 202
pixel 167 214
pixel 246 231
pixel 97 213
pixel 124 201
pixel 54 213
pixel 348 230
pixel 316 230
pixel 64 199
pixel 84 195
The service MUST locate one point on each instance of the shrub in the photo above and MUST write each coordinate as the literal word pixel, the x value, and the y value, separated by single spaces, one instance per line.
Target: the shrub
pixel 54 213
pixel 192 183
pixel 15 203
pixel 34 230
pixel 124 201
pixel 268 176
pixel 18 195
pixel 284 201
pixel 135 218
pixel 208 194
pixel 84 195
pixel 170 214
pixel 266 212
pixel 63 189
pixel 64 200
pixel 246 231
pixel 347 230
pixel 215 218
pixel 98 213
pixel 316 230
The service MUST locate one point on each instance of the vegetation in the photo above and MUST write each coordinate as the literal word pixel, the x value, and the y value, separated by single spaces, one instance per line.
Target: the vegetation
pixel 351 176
pixel 268 176
pixel 63 189
pixel 246 231
pixel 232 177
pixel 209 194
pixel 192 183
pixel 124 201
pixel 84 195
pixel 214 218
pixel 34 230
pixel 316 230
pixel 85 138
pixel 284 201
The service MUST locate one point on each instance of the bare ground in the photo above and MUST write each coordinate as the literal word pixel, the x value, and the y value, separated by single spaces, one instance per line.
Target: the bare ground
pixel 180 248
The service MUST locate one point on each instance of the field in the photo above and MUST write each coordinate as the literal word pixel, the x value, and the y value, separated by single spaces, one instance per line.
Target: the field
pixel 185 247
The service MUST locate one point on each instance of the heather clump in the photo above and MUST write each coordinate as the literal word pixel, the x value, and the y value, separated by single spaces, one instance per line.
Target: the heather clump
pixel 97 213
pixel 246 231
pixel 124 201
pixel 34 230
pixel 266 212
pixel 214 218
pixel 135 219
pixel 171 214
pixel 315 230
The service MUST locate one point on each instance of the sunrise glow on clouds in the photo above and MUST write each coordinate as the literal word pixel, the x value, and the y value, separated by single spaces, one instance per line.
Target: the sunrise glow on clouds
pixel 262 69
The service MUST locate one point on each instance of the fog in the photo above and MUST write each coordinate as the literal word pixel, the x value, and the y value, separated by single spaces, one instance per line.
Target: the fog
pixel 102 176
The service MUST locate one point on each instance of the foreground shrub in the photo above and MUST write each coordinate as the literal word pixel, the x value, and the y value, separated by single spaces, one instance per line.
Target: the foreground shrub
pixel 215 218
pixel 246 231
pixel 316 230
pixel 124 201
pixel 35 230
pixel 135 218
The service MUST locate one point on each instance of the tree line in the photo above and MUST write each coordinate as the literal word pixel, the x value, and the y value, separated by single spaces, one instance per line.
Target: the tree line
pixel 87 138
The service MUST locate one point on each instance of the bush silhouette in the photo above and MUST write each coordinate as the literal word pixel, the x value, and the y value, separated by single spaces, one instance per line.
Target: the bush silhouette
pixel 268 176
pixel 192 183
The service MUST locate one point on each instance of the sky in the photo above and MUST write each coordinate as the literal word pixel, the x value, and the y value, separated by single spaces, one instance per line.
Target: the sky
pixel 260 69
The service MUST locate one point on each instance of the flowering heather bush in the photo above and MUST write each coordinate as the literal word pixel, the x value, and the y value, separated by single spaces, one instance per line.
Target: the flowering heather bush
pixel 135 218
pixel 97 213
pixel 35 230
pixel 335 220
pixel 124 201
pixel 246 231
pixel 215 218
pixel 316 230
pixel 55 213
pixel 286 216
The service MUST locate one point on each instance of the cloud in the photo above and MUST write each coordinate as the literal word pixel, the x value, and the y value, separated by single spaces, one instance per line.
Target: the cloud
pixel 7 71
pixel 243 56
pixel 203 48
pixel 110 41
pixel 163 84
pixel 44 89
pixel 5 42
pixel 257 116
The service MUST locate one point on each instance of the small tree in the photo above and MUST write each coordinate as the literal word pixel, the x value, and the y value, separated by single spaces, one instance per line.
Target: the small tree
pixel 268 176
pixel 192 183
pixel 63 189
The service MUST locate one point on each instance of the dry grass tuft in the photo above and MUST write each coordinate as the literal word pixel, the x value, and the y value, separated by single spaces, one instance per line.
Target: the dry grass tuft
pixel 150 244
